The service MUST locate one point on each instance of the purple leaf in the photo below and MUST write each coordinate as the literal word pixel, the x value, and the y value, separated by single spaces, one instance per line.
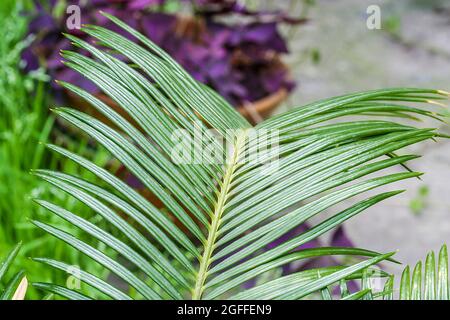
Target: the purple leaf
pixel 74 77
pixel 340 238
pixel 158 26
pixel 30 59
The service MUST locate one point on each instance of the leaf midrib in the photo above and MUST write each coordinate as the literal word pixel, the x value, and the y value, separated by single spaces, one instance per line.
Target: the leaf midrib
pixel 219 209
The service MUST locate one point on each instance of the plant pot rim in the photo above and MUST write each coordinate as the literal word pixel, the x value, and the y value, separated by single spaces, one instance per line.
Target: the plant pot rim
pixel 263 106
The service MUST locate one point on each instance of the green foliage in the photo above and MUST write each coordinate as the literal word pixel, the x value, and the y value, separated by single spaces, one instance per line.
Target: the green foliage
pixel 226 216
pixel 419 203
pixel 8 288
pixel 428 281
pixel 25 127
pixel 392 25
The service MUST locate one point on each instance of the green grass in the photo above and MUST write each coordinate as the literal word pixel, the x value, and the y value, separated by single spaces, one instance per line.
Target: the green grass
pixel 25 125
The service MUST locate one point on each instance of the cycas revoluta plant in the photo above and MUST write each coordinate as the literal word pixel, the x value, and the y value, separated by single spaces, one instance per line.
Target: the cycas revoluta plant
pixel 212 235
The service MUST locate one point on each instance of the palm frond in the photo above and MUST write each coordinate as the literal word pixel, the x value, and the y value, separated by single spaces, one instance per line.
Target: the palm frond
pixel 211 234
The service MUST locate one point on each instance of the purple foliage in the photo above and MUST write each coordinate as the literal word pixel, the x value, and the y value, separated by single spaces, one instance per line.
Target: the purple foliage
pixel 338 239
pixel 240 61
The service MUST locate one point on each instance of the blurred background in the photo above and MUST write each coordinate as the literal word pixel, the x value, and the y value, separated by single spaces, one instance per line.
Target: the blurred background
pixel 264 57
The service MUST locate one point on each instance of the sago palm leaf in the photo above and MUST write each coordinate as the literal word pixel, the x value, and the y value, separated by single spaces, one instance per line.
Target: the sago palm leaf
pixel 217 218
pixel 16 287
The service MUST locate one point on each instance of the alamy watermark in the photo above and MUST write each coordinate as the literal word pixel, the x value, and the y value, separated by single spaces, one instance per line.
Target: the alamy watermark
pixel 256 147
pixel 373 21
pixel 73 20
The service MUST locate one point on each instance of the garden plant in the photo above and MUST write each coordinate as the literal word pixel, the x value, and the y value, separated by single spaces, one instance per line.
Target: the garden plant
pixel 206 241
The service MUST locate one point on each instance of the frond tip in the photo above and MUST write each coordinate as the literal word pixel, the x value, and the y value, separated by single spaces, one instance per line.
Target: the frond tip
pixel 429 282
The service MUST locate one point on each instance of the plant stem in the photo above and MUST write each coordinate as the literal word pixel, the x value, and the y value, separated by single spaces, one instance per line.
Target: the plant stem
pixel 209 247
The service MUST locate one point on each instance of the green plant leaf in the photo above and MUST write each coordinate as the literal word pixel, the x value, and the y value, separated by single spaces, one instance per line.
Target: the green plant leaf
pixel 206 228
